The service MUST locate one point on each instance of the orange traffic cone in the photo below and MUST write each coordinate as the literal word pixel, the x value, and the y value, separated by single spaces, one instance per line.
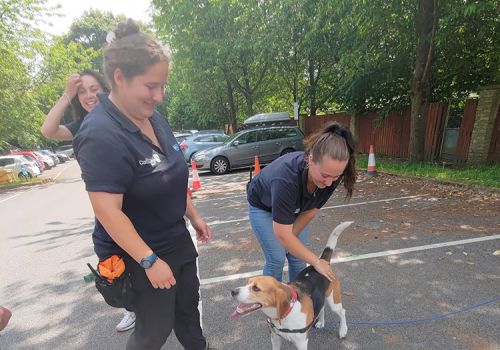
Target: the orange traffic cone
pixel 189 194
pixel 256 165
pixel 372 167
pixel 196 177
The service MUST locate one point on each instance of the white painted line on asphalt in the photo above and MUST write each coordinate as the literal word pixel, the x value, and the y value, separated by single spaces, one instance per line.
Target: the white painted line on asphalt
pixel 192 233
pixel 33 187
pixel 6 199
pixel 62 171
pixel 385 253
pixel 219 199
pixel 375 201
pixel 245 218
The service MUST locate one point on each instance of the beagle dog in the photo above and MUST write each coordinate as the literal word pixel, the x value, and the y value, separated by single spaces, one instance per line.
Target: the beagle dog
pixel 292 309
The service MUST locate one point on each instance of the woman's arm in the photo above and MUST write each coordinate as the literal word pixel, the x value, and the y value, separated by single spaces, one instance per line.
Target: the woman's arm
pixel 285 236
pixel 203 231
pixel 108 210
pixel 51 127
pixel 303 219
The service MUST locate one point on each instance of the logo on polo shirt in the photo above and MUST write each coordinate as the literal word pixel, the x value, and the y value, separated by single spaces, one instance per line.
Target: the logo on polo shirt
pixel 153 161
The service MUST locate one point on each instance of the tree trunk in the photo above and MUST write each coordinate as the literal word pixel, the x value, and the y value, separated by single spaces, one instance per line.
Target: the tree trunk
pixel 313 107
pixel 247 92
pixel 232 108
pixel 425 26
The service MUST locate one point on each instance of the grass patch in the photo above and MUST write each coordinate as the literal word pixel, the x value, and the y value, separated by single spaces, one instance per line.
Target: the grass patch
pixel 18 183
pixel 484 175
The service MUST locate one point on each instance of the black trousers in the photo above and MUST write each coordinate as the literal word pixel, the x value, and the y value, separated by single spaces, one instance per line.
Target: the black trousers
pixel 158 311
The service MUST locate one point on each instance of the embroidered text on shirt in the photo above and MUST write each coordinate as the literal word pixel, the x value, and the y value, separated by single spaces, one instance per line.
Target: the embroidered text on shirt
pixel 155 159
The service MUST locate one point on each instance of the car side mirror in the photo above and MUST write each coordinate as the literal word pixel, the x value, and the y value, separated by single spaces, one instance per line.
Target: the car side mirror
pixel 236 143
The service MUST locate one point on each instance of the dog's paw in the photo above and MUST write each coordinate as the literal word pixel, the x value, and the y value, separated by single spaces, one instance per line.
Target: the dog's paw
pixel 342 332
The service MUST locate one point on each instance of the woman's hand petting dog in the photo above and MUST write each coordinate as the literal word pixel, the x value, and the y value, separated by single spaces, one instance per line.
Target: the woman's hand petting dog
pixel 324 268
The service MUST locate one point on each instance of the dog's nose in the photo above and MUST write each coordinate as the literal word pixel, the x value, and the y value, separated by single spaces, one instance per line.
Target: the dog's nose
pixel 234 292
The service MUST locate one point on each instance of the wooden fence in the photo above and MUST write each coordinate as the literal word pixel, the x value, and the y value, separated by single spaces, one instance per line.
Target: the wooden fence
pixel 391 135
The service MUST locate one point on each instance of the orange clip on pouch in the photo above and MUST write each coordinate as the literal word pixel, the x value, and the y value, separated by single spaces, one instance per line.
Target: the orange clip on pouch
pixel 112 268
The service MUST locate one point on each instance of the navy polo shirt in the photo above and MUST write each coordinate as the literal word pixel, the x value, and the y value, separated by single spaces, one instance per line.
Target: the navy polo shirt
pixel 74 126
pixel 115 157
pixel 281 188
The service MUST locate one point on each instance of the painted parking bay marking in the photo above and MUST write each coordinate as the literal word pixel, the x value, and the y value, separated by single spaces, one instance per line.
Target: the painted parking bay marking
pixel 208 281
pixel 220 222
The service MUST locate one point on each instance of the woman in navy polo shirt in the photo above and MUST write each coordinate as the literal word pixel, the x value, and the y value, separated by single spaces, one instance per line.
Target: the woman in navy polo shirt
pixel 136 177
pixel 288 193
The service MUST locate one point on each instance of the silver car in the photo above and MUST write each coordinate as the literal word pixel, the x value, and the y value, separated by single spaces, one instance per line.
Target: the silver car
pixel 201 141
pixel 239 150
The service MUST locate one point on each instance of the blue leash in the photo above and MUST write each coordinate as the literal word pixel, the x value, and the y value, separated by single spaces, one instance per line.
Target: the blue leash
pixel 404 322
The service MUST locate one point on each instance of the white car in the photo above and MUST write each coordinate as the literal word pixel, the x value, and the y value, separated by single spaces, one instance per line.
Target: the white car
pixel 48 161
pixel 16 164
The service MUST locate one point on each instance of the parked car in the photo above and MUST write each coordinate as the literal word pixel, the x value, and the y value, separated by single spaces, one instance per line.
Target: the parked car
pixel 33 156
pixel 16 164
pixel 51 155
pixel 48 162
pixel 240 149
pixel 214 131
pixel 201 141
pixel 268 119
pixel 66 149
pixel 181 136
pixel 63 158
pixel 6 176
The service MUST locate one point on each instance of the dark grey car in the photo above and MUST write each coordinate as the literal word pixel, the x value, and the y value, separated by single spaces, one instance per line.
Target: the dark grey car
pixel 240 149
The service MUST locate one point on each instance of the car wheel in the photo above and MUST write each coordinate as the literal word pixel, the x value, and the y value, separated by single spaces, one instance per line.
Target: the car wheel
pixel 24 177
pixel 191 157
pixel 219 166
pixel 287 150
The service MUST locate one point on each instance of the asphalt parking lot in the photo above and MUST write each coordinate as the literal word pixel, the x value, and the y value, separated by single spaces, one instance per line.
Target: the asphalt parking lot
pixel 416 251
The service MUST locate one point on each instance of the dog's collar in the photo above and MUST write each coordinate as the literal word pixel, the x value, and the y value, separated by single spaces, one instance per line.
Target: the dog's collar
pixel 292 302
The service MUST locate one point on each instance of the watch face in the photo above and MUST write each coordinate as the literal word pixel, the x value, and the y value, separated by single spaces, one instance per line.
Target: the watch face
pixel 145 264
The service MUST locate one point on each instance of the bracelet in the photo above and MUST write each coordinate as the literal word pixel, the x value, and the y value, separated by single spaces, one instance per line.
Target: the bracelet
pixel 67 97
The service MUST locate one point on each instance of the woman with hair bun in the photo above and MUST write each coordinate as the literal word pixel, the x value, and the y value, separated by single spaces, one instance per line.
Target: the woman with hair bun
pixel 288 193
pixel 136 178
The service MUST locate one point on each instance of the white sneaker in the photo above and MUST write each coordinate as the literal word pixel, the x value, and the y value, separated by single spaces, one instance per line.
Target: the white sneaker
pixel 127 322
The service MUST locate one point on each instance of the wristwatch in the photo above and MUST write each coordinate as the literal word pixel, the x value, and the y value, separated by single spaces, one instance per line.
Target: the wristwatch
pixel 148 261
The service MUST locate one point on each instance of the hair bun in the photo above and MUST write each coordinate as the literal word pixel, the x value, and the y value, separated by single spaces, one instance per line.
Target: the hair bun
pixel 124 29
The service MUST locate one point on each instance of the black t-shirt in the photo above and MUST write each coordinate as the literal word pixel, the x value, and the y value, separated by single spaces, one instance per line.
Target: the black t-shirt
pixel 115 157
pixel 74 126
pixel 281 188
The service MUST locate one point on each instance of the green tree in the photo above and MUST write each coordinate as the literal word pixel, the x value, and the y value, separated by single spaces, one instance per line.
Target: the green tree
pixel 19 44
pixel 91 29
pixel 223 42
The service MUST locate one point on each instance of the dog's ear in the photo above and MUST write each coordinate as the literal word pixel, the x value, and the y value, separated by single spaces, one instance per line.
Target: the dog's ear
pixel 282 301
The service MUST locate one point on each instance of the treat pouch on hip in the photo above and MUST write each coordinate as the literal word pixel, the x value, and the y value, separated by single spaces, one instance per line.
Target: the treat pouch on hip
pixel 114 283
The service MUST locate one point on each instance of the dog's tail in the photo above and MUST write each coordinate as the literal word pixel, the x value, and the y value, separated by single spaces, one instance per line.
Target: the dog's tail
pixel 332 240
